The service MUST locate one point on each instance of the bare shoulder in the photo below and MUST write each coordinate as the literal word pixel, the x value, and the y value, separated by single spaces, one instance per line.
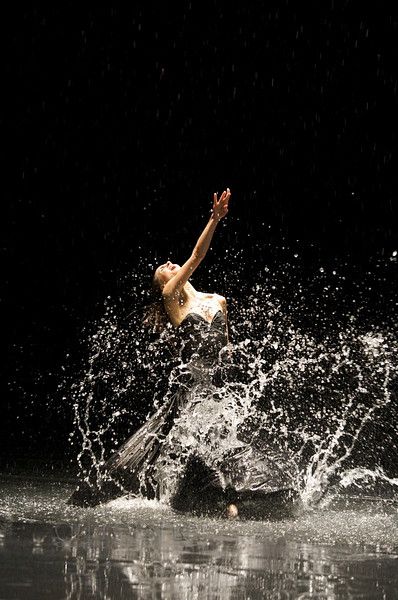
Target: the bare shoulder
pixel 170 296
pixel 222 300
pixel 216 298
pixel 208 295
pixel 219 297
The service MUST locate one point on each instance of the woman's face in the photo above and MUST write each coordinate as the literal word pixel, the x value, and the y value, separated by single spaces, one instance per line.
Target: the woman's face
pixel 165 272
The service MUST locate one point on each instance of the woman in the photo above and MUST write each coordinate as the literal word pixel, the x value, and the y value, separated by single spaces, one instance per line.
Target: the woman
pixel 179 297
pixel 200 319
pixel 141 464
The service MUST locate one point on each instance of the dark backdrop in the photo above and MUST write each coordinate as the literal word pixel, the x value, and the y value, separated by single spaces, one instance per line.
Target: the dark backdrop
pixel 120 124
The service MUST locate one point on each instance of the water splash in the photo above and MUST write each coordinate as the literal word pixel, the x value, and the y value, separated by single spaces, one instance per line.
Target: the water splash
pixel 310 407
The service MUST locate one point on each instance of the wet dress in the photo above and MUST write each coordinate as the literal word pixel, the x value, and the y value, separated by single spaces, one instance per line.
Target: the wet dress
pixel 129 468
pixel 202 489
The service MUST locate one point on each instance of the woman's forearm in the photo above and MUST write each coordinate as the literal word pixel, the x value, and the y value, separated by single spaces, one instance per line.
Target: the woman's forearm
pixel 204 241
pixel 172 288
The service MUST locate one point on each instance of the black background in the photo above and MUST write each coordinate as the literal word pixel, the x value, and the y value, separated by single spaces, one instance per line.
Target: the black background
pixel 119 126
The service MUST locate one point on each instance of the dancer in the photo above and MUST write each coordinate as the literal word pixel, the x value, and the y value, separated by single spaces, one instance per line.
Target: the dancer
pixel 200 320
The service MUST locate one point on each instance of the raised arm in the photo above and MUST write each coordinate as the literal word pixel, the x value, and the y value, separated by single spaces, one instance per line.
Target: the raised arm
pixel 176 283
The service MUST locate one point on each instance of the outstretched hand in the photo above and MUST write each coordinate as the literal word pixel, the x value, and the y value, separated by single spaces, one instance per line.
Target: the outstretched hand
pixel 220 206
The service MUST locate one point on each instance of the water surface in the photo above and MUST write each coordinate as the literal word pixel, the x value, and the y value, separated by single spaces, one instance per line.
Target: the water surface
pixel 134 548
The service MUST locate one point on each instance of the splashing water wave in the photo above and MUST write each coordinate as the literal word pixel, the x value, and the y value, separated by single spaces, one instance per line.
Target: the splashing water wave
pixel 308 409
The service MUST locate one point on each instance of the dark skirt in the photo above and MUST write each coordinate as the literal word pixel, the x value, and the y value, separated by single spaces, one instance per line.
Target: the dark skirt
pixel 202 488
pixel 130 468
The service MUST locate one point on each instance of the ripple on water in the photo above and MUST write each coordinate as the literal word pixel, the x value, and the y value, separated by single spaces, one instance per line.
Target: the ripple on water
pixel 135 547
pixel 348 520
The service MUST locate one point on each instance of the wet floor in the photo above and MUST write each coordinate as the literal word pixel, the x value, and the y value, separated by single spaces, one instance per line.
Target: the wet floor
pixel 140 549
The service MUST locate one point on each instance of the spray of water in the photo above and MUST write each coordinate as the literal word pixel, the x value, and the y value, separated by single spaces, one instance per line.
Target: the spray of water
pixel 310 407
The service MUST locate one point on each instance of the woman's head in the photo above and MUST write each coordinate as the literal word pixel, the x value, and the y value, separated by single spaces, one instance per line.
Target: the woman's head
pixel 164 273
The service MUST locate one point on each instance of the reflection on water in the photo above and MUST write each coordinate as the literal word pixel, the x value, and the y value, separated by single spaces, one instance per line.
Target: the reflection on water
pixel 137 549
